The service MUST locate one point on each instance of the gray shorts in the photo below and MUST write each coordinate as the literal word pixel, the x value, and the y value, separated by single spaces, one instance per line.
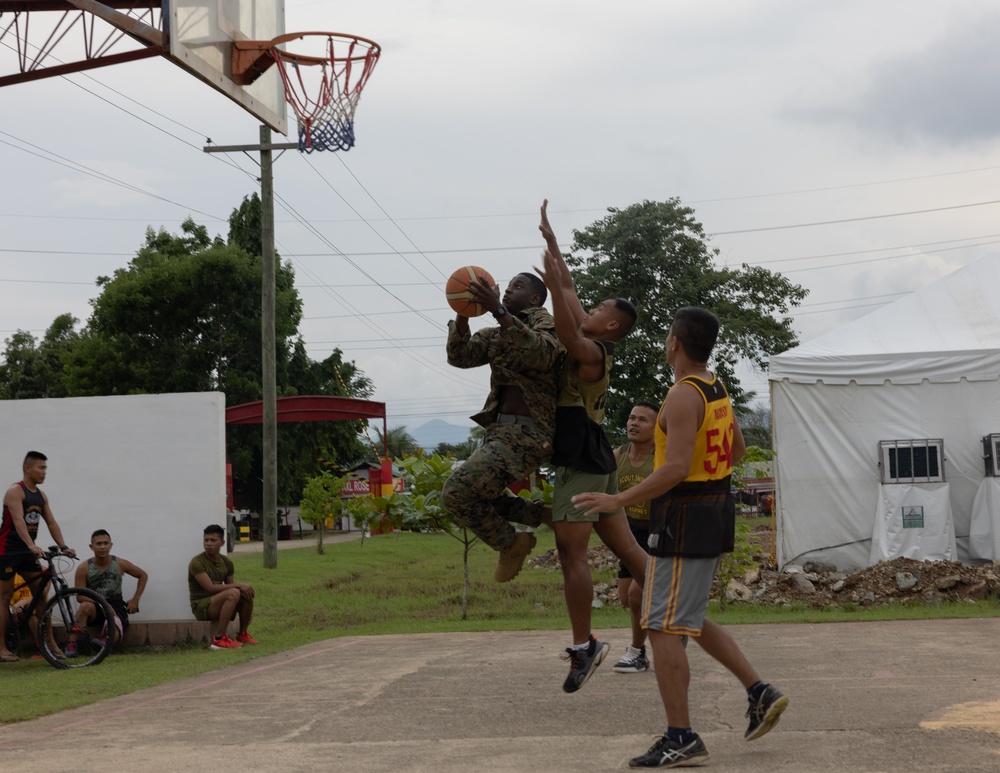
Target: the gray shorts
pixel 675 594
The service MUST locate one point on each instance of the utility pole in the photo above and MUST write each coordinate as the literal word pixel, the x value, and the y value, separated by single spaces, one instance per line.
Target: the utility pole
pixel 268 378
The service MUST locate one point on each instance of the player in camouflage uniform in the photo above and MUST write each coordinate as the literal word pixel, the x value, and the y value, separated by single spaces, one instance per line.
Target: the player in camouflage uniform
pixel 519 416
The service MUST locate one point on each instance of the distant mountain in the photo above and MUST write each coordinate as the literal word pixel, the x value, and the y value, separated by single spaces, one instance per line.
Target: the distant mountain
pixel 437 431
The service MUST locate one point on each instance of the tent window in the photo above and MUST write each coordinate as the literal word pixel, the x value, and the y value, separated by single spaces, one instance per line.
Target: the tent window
pixel 991 455
pixel 912 461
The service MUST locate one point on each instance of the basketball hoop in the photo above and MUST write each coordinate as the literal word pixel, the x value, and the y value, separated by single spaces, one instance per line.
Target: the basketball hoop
pixel 323 87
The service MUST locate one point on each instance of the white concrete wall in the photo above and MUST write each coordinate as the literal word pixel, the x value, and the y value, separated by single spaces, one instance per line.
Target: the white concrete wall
pixel 148 468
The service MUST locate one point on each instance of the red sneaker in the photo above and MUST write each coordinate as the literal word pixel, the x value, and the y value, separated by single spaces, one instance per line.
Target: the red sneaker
pixel 246 638
pixel 224 643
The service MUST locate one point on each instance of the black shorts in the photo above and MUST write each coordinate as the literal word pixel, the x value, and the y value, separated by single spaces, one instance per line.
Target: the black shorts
pixel 640 530
pixel 18 563
pixel 117 603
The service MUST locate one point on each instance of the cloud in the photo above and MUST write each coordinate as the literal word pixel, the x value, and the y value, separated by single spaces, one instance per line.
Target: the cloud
pixel 943 92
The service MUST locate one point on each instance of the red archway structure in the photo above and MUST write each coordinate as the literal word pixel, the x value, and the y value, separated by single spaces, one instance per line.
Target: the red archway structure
pixel 312 408
pixel 318 408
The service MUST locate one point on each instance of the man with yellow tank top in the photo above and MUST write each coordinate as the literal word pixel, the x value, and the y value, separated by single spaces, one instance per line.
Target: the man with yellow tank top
pixel 582 456
pixel 692 522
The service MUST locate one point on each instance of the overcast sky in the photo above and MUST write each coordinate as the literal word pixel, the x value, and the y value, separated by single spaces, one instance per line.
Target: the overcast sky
pixel 852 146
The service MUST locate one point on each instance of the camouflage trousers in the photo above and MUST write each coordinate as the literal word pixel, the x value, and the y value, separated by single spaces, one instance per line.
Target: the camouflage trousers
pixel 475 493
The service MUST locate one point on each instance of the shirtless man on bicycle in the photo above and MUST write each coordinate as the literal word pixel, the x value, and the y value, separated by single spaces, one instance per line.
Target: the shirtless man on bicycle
pixel 24 506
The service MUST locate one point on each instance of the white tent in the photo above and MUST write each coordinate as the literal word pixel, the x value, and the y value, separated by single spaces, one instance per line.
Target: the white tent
pixel 926 366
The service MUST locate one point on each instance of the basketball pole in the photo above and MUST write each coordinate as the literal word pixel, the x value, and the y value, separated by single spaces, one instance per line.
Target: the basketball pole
pixel 268 377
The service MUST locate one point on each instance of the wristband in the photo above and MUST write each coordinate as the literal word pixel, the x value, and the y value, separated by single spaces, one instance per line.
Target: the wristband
pixel 64 547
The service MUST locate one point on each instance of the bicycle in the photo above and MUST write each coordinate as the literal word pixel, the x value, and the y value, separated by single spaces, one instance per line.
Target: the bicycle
pixel 59 618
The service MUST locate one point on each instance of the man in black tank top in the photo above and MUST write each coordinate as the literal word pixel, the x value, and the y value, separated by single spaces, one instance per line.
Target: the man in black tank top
pixel 24 507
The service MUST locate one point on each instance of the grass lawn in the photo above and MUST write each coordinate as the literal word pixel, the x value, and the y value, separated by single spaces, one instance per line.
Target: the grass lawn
pixel 397 583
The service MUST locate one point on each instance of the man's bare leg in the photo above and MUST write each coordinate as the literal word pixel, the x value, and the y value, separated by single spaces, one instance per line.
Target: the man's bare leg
pixel 673 676
pixel 221 609
pixel 615 533
pixel 572 541
pixel 717 642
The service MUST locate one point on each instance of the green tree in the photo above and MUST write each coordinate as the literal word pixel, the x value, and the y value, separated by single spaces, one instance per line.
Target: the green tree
pixel 184 316
pixel 399 442
pixel 461 450
pixel 244 225
pixel 321 501
pixel 755 422
pixel 33 368
pixel 657 255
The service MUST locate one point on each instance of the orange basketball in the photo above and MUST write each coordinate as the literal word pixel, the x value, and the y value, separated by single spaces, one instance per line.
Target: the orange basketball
pixel 458 293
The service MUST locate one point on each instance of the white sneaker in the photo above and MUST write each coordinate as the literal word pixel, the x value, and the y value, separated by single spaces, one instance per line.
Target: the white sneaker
pixel 632 662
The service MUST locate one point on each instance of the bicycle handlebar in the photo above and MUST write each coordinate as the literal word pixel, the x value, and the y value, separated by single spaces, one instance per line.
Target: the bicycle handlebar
pixel 54 551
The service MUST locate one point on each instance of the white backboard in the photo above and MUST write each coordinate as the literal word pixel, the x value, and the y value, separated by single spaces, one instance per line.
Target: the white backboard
pixel 201 35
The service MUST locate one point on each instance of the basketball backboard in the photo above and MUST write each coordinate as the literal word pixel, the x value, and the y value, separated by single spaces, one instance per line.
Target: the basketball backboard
pixel 201 34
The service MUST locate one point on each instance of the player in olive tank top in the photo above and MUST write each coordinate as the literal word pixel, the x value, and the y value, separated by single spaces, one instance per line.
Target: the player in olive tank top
pixel 635 462
pixel 581 453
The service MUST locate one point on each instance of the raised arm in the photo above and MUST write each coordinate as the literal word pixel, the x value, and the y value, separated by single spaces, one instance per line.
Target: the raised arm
pixel 470 351
pixel 588 355
pixel 466 350
pixel 561 276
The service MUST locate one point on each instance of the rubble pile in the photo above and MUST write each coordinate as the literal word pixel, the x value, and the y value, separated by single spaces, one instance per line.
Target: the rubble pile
pixel 821 585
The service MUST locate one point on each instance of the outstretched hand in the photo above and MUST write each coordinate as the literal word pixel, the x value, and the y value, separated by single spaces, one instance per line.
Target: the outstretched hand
pixel 549 271
pixel 546 229
pixel 550 267
pixel 596 503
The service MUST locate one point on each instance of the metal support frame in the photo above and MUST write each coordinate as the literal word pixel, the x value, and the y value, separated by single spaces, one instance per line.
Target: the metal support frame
pixel 42 49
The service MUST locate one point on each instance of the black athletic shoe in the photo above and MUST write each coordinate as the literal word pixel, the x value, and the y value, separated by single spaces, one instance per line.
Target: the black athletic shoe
pixel 583 663
pixel 667 753
pixel 764 712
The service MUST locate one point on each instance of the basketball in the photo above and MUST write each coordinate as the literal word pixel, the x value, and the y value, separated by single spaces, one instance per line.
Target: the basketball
pixel 460 298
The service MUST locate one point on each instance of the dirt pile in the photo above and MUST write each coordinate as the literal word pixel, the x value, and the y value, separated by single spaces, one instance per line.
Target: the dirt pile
pixel 820 585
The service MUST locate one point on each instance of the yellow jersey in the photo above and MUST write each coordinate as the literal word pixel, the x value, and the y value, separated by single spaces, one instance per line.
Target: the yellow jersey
pixel 713 448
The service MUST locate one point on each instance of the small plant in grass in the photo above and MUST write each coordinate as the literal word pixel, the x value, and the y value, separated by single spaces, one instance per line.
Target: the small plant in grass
pixel 321 501
pixel 422 508
pixel 366 511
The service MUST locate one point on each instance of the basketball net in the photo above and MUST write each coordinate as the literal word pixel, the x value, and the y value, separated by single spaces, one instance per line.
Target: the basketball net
pixel 324 91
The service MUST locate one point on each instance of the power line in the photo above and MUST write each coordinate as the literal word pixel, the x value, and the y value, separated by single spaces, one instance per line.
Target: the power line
pixel 855 219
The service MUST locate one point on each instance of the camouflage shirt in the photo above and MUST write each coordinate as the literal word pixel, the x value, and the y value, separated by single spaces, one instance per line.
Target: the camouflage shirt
pixel 524 355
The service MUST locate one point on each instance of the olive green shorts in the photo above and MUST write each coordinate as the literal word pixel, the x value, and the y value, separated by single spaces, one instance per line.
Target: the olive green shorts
pixel 569 483
pixel 200 608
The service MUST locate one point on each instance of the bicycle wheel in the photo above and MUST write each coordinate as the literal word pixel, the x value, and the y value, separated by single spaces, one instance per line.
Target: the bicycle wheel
pixel 59 618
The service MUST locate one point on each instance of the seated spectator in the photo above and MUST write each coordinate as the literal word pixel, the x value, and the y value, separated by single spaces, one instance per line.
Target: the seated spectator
pixel 215 595
pixel 18 606
pixel 103 574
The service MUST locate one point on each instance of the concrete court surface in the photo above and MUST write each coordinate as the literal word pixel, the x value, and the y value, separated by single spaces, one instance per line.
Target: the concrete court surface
pixel 899 696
